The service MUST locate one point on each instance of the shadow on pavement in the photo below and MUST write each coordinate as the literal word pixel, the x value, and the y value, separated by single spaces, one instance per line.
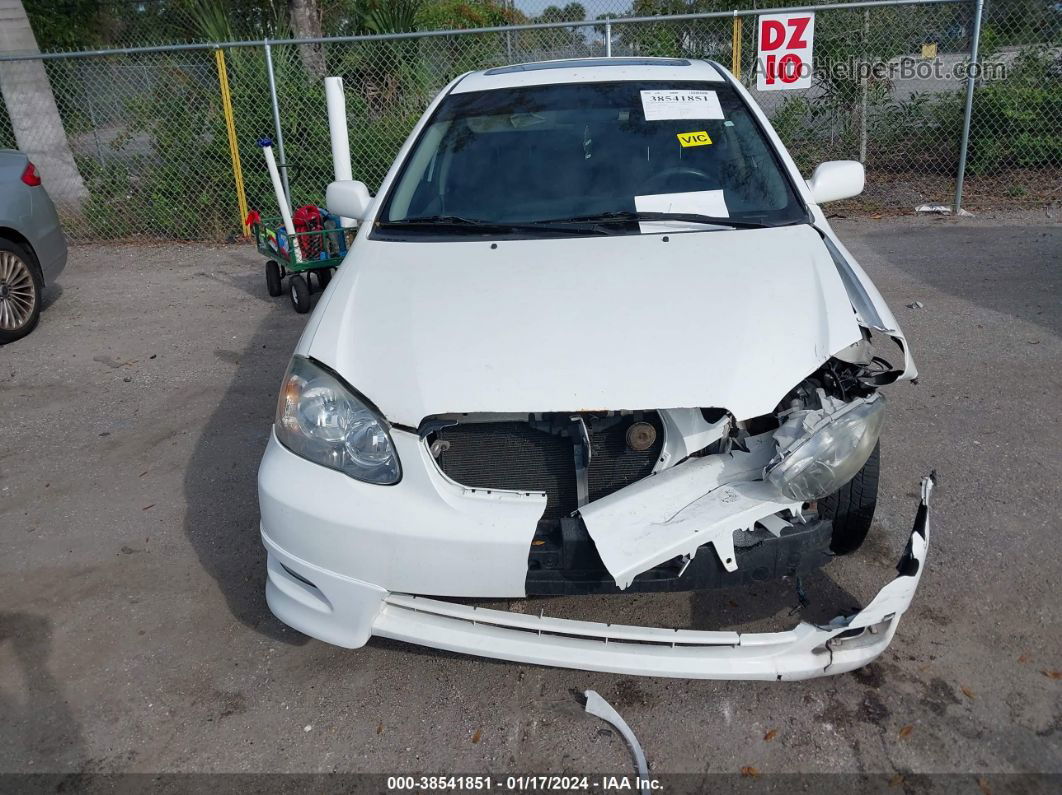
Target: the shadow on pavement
pixel 37 729
pixel 220 482
pixel 774 601
pixel 50 294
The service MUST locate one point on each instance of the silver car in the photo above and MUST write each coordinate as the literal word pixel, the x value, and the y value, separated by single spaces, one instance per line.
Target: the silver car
pixel 32 246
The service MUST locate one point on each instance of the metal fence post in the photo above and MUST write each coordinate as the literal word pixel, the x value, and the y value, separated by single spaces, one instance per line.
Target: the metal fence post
pixel 276 121
pixel 608 37
pixel 735 47
pixel 230 130
pixel 95 126
pixel 971 80
pixel 863 67
pixel 508 34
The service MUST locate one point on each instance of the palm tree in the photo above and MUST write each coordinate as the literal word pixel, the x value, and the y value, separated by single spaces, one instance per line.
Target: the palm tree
pixel 305 18
pixel 31 107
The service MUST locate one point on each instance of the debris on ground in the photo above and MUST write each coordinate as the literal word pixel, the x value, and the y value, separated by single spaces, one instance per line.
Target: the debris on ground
pixel 941 209
pixel 598 707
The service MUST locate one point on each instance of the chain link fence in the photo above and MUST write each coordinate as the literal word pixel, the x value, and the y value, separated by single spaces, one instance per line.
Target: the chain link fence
pixel 146 152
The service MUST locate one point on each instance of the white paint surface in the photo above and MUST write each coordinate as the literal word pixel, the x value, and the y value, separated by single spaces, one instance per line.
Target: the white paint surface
pixel 729 318
pixel 425 534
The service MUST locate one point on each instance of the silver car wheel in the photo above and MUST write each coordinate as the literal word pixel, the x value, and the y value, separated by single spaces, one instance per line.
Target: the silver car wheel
pixel 18 293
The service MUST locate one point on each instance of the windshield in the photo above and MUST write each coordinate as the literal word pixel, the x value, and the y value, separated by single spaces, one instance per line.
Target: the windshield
pixel 610 154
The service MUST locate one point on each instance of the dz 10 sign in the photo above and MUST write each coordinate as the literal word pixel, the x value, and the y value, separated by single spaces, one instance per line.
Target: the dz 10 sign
pixel 784 59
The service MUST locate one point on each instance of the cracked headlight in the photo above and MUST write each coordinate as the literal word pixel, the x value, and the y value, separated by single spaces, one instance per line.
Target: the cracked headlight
pixel 323 420
pixel 832 446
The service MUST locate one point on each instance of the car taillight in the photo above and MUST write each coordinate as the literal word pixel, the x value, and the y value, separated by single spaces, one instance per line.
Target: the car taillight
pixel 30 175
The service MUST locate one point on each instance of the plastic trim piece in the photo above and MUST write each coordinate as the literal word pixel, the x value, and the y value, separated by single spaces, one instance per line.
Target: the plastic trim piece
pixel 599 708
pixel 677 511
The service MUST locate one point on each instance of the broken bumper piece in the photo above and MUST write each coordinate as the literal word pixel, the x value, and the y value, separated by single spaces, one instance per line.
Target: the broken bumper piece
pixel 804 652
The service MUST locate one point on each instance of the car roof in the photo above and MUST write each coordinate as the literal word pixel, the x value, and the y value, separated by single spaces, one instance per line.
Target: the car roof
pixel 588 70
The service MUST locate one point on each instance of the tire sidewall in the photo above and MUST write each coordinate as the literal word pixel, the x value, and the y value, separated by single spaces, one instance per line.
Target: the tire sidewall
pixel 299 291
pixel 274 282
pixel 26 255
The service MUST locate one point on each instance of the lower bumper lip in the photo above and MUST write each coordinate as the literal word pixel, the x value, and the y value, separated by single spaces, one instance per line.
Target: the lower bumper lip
pixel 345 611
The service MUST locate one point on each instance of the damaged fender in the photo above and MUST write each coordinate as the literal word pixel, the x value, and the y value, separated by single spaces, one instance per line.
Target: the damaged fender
pixel 872 313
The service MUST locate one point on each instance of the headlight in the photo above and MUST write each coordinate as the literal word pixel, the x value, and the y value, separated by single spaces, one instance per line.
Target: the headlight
pixel 322 420
pixel 833 447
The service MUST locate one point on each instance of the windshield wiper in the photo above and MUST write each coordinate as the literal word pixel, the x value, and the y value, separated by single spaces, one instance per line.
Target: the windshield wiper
pixel 622 216
pixel 437 220
pixel 475 224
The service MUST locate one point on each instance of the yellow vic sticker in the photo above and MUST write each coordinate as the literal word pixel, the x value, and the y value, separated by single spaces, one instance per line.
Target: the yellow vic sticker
pixel 699 138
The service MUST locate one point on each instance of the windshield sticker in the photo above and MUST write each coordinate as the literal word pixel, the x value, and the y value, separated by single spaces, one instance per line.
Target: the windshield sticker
pixel 700 202
pixel 665 105
pixel 697 138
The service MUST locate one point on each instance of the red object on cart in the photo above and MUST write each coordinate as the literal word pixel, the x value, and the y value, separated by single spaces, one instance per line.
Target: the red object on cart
pixel 308 219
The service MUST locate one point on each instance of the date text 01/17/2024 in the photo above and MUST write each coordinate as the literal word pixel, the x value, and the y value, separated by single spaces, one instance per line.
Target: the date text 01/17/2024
pixel 521 783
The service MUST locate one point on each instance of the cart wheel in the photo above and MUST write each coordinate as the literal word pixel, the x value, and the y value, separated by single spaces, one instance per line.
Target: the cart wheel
pixel 273 278
pixel 300 294
pixel 324 276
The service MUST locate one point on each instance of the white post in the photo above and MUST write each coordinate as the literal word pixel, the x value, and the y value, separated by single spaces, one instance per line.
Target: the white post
pixel 278 188
pixel 337 128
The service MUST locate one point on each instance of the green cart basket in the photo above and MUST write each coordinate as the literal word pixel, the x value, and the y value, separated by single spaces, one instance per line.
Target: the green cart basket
pixel 322 252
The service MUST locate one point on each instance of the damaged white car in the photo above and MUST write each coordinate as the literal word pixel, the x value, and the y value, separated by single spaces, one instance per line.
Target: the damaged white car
pixel 595 335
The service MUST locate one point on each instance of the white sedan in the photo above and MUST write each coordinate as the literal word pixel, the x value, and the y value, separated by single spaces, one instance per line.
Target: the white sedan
pixel 594 336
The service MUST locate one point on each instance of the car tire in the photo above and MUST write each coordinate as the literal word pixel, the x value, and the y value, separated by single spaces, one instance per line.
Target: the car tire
pixel 273 278
pixel 300 294
pixel 324 276
pixel 20 291
pixel 852 506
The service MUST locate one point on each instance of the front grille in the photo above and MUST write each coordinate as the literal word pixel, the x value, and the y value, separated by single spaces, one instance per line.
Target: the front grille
pixel 519 456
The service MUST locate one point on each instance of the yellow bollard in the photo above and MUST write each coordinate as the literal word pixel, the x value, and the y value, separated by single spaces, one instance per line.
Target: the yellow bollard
pixel 234 150
pixel 735 48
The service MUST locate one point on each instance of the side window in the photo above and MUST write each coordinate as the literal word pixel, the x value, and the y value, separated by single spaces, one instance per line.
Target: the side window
pixel 415 194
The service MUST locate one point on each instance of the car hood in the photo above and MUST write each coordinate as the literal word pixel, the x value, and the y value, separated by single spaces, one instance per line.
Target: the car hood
pixel 730 319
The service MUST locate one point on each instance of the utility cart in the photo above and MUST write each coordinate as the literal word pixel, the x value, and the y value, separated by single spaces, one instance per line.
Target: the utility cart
pixel 319 250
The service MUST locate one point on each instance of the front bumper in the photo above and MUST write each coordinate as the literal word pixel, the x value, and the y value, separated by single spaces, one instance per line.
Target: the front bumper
pixel 347 611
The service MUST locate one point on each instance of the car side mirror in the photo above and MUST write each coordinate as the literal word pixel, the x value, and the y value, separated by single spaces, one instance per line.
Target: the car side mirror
pixel 837 179
pixel 348 199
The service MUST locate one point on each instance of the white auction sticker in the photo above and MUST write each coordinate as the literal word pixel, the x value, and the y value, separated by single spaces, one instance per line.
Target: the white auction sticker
pixel 664 105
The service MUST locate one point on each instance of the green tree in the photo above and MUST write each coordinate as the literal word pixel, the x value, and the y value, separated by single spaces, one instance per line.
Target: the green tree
pixel 27 95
